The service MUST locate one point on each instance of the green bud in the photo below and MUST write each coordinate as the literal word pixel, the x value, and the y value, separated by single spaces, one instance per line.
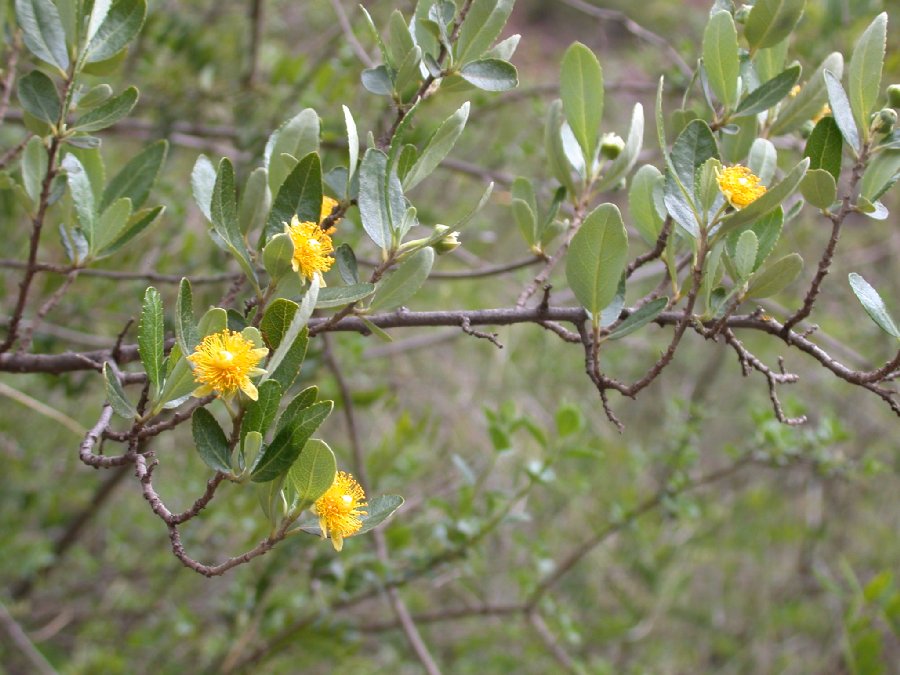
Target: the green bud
pixel 448 242
pixel 740 16
pixel 807 128
pixel 883 121
pixel 893 93
pixel 611 145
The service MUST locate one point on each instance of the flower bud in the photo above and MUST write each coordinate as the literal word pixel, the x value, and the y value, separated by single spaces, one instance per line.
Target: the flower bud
pixel 448 242
pixel 611 146
pixel 740 16
pixel 807 128
pixel 893 93
pixel 884 120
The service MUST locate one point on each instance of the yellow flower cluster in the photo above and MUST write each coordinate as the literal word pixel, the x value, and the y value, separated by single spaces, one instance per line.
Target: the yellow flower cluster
pixel 312 244
pixel 224 362
pixel 739 185
pixel 339 509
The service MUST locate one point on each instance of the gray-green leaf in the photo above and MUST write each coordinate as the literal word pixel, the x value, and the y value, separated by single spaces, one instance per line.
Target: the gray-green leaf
pixel 313 472
pixel 581 91
pixel 405 281
pixel 864 76
pixel 43 32
pixel 873 304
pixel 720 57
pixel 596 258
pixel 211 442
pixel 38 96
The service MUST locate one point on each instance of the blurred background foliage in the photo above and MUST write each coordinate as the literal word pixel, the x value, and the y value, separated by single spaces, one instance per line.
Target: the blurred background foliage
pixel 784 567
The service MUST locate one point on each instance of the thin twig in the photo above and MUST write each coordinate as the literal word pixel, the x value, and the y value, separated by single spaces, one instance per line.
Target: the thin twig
pixel 23 643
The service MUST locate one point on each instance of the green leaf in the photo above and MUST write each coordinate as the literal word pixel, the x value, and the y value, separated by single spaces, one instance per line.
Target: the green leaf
pixel 640 318
pixel 881 173
pixel 151 337
pixel 203 181
pixel 107 114
pixel 137 223
pixel 810 99
pixel 553 147
pixel 720 57
pixel 767 231
pixel 596 258
pixel 120 26
pixel 373 202
pixel 300 195
pixel 679 206
pixel 824 147
pixel 769 61
pixel 873 304
pixel 313 472
pixel 769 93
pixel 116 395
pixel 581 91
pixel 302 400
pixel 775 277
pixel 256 200
pixel 840 110
pixel 818 188
pixel 483 24
pixel 276 320
pixel 622 164
pixel 276 459
pixel 691 149
pixel 377 80
pixel 490 74
pixel 439 146
pixel 645 202
pixel 864 76
pixel 137 177
pixel 338 296
pixel 38 96
pixel 526 219
pixel 112 223
pixel 346 263
pixel 763 160
pixel 82 196
pixel 745 254
pixel 259 414
pixel 298 137
pixel 186 333
pixel 278 256
pixel 223 210
pixel 405 281
pixel 214 320
pixel 736 146
pixel 43 32
pixel 211 442
pixel 400 41
pixel 285 362
pixel 771 21
pixel 772 199
pixel 34 168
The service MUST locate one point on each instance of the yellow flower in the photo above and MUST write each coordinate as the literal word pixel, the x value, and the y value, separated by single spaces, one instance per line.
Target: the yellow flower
pixel 794 90
pixel 328 205
pixel 312 248
pixel 224 362
pixel 338 509
pixel 739 185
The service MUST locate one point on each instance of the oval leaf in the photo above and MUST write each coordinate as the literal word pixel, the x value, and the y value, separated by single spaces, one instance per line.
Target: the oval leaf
pixel 596 258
